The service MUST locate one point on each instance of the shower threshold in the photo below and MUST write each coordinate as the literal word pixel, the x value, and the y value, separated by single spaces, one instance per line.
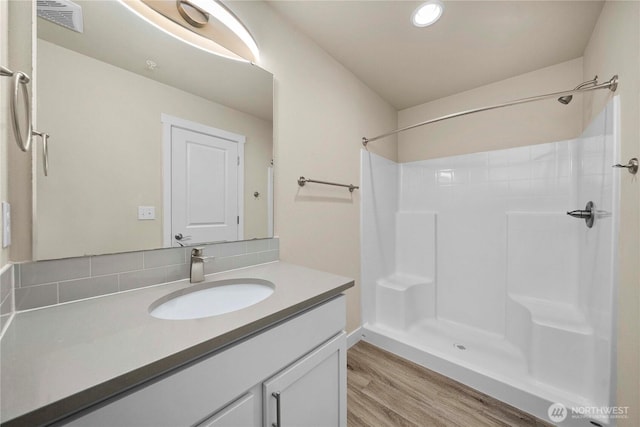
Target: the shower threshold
pixel 478 359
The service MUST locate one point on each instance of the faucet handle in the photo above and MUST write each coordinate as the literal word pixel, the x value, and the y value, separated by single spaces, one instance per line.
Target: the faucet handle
pixel 198 254
pixel 197 251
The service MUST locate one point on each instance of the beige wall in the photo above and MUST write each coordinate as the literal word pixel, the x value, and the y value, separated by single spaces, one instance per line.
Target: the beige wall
pixel 106 154
pixel 614 48
pixel 526 124
pixel 321 113
pixel 4 116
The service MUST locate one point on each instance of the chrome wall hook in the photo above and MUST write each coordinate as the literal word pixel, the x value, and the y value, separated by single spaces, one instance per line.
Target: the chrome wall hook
pixel 632 166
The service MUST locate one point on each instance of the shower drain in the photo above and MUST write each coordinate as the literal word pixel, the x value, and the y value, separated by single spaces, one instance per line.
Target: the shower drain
pixel 459 346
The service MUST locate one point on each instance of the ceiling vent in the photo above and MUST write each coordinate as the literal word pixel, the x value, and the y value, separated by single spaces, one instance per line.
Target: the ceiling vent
pixel 62 12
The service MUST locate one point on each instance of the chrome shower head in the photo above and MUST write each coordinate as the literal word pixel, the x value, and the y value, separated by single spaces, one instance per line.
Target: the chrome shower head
pixel 567 98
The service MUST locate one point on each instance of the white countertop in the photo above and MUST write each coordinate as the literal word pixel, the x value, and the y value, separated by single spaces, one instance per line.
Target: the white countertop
pixel 59 359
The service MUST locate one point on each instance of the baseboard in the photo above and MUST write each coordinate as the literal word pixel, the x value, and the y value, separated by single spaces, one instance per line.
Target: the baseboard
pixel 354 337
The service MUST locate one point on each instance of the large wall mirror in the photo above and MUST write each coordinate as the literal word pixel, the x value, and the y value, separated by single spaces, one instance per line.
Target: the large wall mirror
pixel 154 143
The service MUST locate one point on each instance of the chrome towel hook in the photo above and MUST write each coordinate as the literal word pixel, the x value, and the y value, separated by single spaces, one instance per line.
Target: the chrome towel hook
pixel 20 81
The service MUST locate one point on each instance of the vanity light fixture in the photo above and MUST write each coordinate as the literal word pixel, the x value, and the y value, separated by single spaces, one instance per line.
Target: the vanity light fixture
pixel 204 24
pixel 222 14
pixel 427 13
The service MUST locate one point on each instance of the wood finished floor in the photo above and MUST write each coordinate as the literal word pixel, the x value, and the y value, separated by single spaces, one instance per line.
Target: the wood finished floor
pixel 386 390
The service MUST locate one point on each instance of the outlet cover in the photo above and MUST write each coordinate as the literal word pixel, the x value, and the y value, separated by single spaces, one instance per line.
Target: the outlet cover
pixel 146 212
pixel 6 224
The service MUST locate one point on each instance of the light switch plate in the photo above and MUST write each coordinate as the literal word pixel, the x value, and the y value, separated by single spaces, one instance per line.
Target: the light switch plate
pixel 146 212
pixel 6 224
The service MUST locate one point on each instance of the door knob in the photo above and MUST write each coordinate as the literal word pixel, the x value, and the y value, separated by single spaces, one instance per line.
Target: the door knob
pixel 588 214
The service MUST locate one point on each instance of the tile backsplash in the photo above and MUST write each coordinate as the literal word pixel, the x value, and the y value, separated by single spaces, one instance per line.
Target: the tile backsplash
pixel 45 283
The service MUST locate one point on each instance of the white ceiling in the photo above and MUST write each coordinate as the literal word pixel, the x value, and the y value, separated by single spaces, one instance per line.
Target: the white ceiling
pixel 475 42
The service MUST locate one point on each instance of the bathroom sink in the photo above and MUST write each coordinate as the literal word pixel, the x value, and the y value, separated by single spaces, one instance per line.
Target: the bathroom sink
pixel 211 299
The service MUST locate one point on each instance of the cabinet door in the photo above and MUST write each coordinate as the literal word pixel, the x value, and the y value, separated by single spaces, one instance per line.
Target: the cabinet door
pixel 312 391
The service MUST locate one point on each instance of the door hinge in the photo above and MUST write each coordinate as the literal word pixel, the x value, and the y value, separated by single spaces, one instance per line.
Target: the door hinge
pixel 238 160
pixel 238 217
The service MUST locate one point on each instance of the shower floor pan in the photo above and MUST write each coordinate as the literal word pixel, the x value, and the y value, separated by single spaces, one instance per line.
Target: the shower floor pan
pixel 476 358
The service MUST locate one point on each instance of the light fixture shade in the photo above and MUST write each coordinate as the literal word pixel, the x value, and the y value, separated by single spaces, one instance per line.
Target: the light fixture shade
pixel 214 29
pixel 427 13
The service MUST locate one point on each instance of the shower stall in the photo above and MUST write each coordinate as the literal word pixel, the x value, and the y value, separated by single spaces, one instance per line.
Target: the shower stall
pixel 472 268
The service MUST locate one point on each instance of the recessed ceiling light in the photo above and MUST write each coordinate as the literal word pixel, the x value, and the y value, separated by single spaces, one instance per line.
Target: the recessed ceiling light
pixel 427 13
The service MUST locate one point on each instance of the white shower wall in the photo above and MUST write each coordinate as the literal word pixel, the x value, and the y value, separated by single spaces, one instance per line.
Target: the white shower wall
pixel 507 262
pixel 473 195
pixel 379 205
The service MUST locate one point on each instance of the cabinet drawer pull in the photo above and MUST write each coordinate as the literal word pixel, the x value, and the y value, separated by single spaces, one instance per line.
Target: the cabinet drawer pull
pixel 277 396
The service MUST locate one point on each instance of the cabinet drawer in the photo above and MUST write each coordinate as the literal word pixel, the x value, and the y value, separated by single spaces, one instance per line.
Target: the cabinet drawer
pixel 189 395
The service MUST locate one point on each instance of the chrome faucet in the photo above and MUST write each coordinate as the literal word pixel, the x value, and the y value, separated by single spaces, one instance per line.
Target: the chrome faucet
pixel 197 264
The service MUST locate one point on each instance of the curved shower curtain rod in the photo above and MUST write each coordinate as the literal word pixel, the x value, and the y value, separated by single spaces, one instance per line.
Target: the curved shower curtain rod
pixel 612 85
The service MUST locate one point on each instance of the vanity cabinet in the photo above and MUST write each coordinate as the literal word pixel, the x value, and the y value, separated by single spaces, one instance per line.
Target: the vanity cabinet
pixel 309 392
pixel 302 358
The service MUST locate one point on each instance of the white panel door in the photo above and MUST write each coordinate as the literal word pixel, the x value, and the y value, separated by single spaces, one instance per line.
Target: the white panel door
pixel 204 187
